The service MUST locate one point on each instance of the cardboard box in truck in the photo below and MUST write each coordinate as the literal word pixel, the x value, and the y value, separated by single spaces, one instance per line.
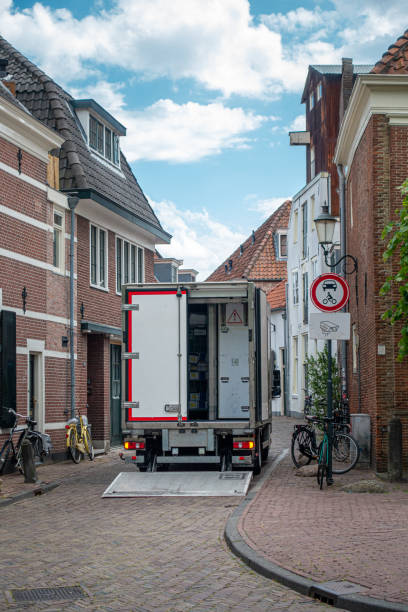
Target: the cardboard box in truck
pixel 196 385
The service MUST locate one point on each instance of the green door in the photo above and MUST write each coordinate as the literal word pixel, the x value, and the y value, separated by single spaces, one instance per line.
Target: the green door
pixel 115 387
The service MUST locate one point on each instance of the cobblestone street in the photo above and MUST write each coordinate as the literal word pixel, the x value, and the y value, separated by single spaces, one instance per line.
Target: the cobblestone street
pixel 141 554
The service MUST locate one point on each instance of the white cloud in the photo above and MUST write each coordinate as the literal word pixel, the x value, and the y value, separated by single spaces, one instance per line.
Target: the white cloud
pixel 216 43
pixel 200 241
pixel 166 131
pixel 268 206
pixel 298 124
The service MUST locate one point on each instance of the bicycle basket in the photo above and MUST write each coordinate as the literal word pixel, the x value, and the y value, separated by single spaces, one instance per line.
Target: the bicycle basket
pixel 46 443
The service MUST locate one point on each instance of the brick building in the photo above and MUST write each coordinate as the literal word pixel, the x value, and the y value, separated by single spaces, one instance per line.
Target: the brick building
pixel 373 148
pixel 116 232
pixel 262 259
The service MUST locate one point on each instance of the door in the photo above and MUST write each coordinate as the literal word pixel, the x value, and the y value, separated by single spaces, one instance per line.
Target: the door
pixel 115 387
pixel 156 357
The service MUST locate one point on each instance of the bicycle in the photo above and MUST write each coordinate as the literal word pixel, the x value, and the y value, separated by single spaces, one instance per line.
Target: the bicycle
pixel 304 446
pixel 41 443
pixel 79 439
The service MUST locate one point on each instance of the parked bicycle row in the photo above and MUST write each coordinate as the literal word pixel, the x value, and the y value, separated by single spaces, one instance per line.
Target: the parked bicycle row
pixel 325 440
pixel 78 436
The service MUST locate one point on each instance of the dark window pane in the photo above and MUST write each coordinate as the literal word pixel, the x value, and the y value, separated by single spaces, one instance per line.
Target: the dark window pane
pixel 93 136
pixel 100 138
pixel 115 149
pixel 125 262
pixel 133 264
pixel 140 265
pixel 108 144
pixel 93 255
pixel 102 258
pixel 283 245
pixel 118 264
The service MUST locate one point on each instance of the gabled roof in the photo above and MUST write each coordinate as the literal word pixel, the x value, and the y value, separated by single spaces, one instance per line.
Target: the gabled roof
pixel 330 70
pixel 255 259
pixel 395 60
pixel 277 296
pixel 80 170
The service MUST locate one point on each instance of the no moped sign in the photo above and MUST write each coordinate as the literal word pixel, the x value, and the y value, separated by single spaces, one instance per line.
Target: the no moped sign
pixel 329 292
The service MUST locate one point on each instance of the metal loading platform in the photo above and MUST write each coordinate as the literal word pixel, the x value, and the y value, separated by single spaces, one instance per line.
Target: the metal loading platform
pixel 183 484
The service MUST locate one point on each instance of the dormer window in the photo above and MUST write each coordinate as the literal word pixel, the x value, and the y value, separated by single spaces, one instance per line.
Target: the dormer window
pixel 103 140
pixel 101 130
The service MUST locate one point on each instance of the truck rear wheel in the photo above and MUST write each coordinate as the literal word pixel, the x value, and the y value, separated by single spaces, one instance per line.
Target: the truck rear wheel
pixel 258 455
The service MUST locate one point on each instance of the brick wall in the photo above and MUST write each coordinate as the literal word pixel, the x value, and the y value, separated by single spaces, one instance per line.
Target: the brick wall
pixel 379 387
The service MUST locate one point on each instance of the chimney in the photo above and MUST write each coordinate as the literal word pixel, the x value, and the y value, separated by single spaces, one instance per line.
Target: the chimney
pixel 347 74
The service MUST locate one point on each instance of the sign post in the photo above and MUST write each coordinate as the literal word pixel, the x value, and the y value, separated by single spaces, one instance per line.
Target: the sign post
pixel 330 293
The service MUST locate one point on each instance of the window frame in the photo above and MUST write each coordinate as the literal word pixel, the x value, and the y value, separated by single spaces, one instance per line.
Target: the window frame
pixel 304 229
pixel 97 140
pixel 98 231
pixel 280 235
pixel 295 287
pixel 319 92
pixel 311 100
pixel 60 229
pixel 295 225
pixel 135 263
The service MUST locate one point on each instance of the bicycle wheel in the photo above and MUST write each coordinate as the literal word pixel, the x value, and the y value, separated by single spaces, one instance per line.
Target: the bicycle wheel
pixel 74 452
pixel 4 457
pixel 302 447
pixel 322 468
pixel 88 444
pixel 345 453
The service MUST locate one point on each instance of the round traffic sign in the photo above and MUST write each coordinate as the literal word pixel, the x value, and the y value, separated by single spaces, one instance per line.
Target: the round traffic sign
pixel 329 292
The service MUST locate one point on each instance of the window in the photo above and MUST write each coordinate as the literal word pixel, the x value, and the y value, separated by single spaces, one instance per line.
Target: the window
pixel 312 163
pixel 311 100
pixel 295 287
pixel 129 263
pixel 304 230
pixel 58 242
pixel 295 225
pixel 103 140
pixel 318 92
pixel 295 364
pixel 312 212
pixel 98 247
pixel 305 282
pixel 304 359
pixel 283 246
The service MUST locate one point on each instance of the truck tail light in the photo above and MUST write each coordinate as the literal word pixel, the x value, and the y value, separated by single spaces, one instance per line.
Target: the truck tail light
pixel 134 445
pixel 244 445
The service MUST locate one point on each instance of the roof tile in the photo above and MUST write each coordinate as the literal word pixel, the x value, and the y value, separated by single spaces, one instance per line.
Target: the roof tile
pixel 395 59
pixel 256 260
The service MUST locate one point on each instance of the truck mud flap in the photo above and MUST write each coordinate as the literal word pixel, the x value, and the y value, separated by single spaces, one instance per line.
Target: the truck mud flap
pixel 184 484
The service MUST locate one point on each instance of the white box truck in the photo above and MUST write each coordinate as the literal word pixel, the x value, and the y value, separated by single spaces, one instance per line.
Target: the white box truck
pixel 196 385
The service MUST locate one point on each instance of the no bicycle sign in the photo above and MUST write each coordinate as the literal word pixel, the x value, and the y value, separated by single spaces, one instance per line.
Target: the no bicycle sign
pixel 329 292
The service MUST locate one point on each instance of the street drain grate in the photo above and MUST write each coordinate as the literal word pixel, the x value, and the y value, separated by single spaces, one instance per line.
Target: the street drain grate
pixel 45 594
pixel 327 592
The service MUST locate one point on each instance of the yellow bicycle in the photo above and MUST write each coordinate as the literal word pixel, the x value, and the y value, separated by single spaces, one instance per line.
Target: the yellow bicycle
pixel 79 440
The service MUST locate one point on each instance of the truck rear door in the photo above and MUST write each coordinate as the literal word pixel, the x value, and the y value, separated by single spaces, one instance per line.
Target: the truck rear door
pixel 156 354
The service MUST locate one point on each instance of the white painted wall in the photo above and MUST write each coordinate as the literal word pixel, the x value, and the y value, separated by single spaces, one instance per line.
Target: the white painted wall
pixel 278 345
pixel 311 262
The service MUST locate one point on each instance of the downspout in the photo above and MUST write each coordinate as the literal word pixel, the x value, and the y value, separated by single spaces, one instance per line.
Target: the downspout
pixel 342 198
pixel 72 202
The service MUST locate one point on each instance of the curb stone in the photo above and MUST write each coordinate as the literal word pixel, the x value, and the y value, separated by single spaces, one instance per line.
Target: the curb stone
pixel 237 544
pixel 42 488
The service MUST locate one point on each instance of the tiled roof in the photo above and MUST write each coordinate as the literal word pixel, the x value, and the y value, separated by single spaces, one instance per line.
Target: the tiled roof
pixel 395 60
pixel 277 296
pixel 256 258
pixel 6 94
pixel 337 69
pixel 79 169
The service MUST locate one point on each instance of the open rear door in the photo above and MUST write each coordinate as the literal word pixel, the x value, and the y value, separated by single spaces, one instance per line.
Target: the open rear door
pixel 156 355
pixel 262 356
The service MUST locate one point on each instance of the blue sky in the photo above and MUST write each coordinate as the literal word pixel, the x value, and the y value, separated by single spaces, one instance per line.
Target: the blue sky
pixel 208 90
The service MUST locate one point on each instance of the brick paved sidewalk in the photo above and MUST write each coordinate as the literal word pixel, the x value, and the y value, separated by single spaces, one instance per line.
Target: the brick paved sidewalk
pixel 331 534
pixel 12 485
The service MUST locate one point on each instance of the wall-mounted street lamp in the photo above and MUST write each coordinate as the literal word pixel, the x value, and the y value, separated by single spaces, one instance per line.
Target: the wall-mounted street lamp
pixel 325 224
